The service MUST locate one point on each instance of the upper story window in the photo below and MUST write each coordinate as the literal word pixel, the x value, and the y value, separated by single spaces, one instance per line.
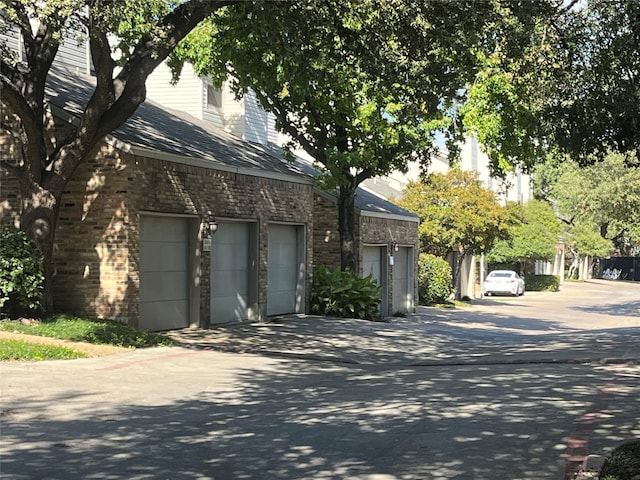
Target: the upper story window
pixel 214 96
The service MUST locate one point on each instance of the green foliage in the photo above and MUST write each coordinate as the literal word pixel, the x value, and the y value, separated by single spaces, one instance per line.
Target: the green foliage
pixel 623 463
pixel 554 79
pixel 542 283
pixel 588 240
pixel 90 331
pixel 19 350
pixel 21 273
pixel 340 293
pixel 456 211
pixel 603 198
pixel 533 237
pixel 362 87
pixel 434 279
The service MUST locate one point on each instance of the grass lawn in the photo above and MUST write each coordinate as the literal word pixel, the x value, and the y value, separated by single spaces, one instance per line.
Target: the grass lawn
pixel 104 332
pixel 19 350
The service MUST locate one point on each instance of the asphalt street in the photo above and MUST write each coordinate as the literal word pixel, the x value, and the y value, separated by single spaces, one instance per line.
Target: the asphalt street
pixel 503 389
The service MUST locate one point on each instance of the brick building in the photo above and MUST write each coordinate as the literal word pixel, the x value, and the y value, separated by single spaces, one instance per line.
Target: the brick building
pixel 134 243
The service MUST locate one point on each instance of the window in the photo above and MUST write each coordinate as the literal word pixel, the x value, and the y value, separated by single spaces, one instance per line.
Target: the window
pixel 214 96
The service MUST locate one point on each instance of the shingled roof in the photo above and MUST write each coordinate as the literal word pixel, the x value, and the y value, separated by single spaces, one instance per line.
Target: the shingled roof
pixel 155 128
pixel 158 129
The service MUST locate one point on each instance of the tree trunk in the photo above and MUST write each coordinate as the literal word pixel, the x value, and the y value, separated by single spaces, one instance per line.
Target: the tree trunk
pixel 38 220
pixel 346 227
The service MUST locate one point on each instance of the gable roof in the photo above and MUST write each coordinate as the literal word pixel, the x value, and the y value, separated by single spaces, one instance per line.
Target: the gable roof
pixel 367 201
pixel 159 132
pixel 156 131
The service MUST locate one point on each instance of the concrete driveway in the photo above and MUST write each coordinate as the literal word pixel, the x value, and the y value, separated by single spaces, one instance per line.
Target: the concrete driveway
pixel 505 389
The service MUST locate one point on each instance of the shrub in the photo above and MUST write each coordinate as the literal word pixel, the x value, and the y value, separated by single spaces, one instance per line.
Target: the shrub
pixel 542 283
pixel 623 463
pixel 342 294
pixel 21 273
pixel 434 279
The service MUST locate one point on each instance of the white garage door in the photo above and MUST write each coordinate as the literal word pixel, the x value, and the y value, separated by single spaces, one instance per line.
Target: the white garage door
pixel 403 280
pixel 230 273
pixel 164 278
pixel 372 264
pixel 283 269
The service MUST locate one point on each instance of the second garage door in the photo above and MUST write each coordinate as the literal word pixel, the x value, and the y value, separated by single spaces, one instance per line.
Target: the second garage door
pixel 230 273
pixel 403 280
pixel 285 270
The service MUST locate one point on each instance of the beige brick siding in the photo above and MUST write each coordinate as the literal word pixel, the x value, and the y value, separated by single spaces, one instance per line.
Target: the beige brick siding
pixel 370 230
pixel 96 249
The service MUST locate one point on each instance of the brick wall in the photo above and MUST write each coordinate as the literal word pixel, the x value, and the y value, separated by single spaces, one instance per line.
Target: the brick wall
pixel 96 249
pixel 375 230
pixel 370 230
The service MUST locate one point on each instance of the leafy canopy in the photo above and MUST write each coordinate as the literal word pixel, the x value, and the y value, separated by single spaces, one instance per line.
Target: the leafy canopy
pixel 605 195
pixel 573 86
pixel 533 237
pixel 360 86
pixel 456 212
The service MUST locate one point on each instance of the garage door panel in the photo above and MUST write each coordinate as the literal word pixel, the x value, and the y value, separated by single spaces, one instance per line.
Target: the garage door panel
pixel 163 315
pixel 283 268
pixel 169 229
pixel 161 257
pixel 164 273
pixel 155 286
pixel 372 263
pixel 230 272
pixel 230 283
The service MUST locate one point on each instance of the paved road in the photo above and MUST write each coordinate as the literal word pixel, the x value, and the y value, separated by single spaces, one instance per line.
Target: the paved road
pixel 505 389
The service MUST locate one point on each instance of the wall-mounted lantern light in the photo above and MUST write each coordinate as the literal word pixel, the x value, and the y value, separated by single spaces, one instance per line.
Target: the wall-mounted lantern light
pixel 211 224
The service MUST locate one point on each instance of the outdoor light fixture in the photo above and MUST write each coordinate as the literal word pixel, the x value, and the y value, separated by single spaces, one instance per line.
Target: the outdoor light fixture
pixel 394 246
pixel 212 224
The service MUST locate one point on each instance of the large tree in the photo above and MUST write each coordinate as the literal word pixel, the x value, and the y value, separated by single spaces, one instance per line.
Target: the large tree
pixel 534 236
pixel 605 195
pixel 360 86
pixel 574 87
pixel 456 213
pixel 127 40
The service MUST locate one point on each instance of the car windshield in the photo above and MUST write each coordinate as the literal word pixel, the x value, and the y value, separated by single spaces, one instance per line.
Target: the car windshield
pixel 501 275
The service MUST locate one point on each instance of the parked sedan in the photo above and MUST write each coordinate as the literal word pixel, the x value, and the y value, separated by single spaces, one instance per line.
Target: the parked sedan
pixel 505 282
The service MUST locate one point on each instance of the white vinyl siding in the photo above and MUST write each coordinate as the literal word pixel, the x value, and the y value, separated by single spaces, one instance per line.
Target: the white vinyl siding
pixel 164 277
pixel 188 95
pixel 74 55
pixel 256 120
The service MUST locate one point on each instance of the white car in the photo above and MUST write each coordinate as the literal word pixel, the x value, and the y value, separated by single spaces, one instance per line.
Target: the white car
pixel 505 282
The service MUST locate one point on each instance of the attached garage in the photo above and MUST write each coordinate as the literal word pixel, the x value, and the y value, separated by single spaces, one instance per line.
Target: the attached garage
pixel 374 264
pixel 164 272
pixel 285 269
pixel 232 271
pixel 403 281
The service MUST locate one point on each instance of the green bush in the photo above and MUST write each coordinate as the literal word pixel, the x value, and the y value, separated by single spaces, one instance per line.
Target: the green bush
pixel 542 283
pixel 339 293
pixel 623 463
pixel 21 273
pixel 434 279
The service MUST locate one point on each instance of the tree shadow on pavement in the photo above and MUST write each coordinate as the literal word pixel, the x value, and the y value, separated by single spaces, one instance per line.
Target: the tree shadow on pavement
pixel 314 420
